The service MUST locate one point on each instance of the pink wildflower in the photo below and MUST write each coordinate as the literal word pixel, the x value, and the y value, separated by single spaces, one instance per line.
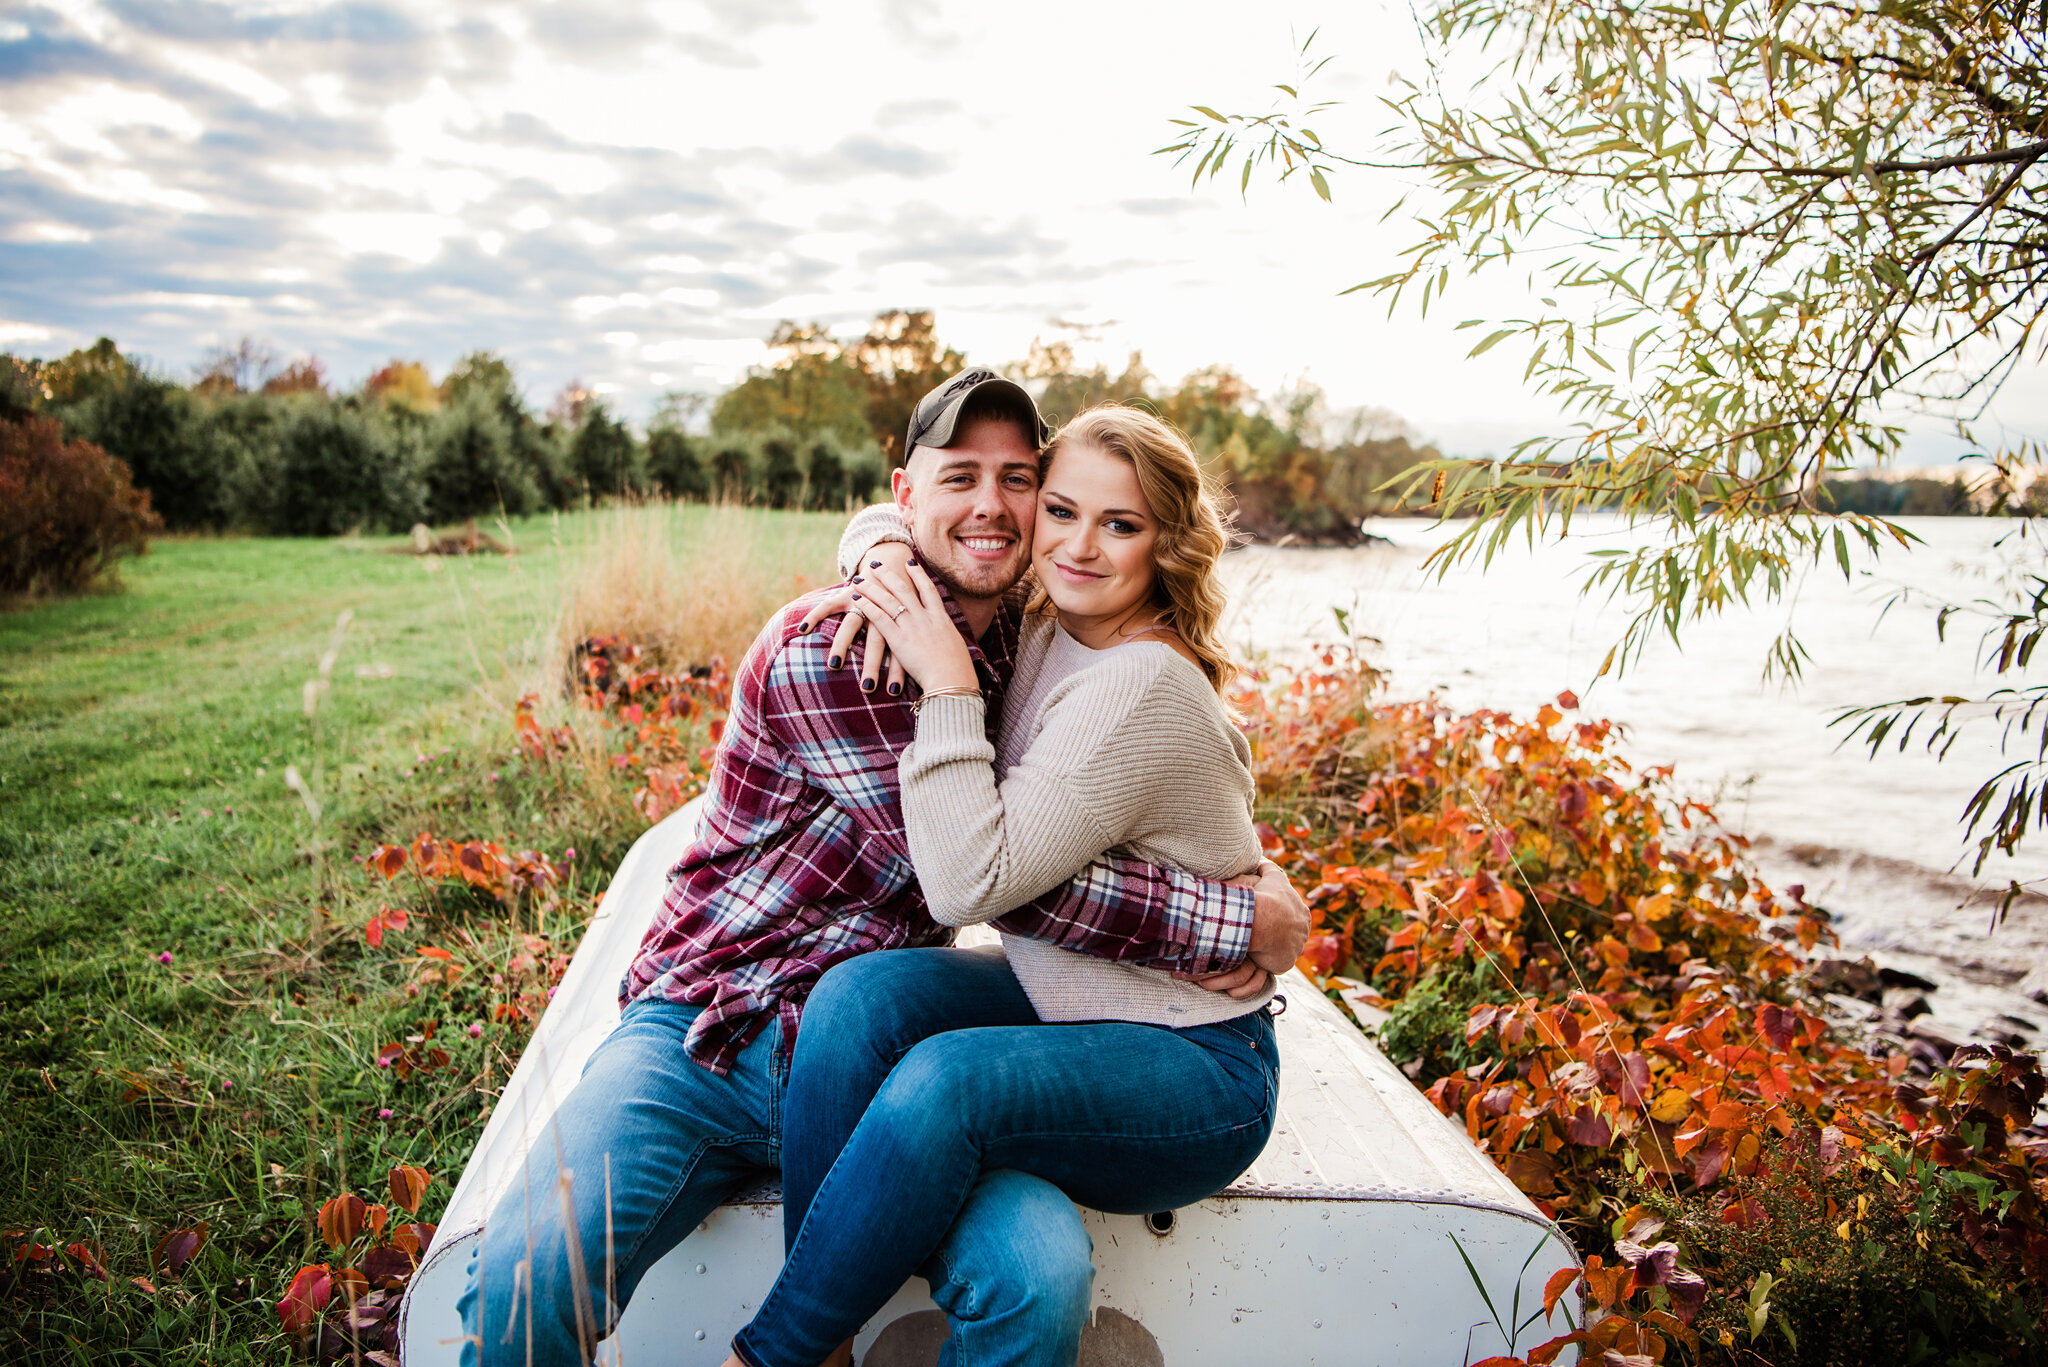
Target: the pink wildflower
pixel 475 1031
pixel 164 957
pixel 384 1114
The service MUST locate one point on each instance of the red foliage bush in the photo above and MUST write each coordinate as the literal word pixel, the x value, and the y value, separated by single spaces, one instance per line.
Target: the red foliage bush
pixel 1584 971
pixel 68 510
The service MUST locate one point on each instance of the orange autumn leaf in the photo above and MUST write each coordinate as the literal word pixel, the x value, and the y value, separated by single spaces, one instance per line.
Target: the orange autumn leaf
pixel 1560 1282
pixel 341 1220
pixel 409 1187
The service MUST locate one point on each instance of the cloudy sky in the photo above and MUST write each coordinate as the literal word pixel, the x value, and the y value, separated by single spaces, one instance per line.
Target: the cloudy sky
pixel 634 194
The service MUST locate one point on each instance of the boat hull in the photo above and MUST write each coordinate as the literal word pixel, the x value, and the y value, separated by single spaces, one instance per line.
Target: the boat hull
pixel 1364 1233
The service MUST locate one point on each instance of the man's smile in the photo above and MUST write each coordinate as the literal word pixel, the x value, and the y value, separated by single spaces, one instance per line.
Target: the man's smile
pixel 989 547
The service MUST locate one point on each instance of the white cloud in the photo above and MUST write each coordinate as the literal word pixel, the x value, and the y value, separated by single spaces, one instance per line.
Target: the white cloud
pixel 229 75
pixel 22 332
pixel 48 232
pixel 413 237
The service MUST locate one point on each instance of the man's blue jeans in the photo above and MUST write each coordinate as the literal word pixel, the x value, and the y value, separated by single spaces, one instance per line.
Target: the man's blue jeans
pixel 919 1069
pixel 674 1140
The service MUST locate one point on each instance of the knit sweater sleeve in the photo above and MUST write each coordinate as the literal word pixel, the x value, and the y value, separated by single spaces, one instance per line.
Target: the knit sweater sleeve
pixel 870 527
pixel 1083 787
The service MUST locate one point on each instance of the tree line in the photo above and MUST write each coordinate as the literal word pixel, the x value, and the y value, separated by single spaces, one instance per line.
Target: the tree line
pixel 249 444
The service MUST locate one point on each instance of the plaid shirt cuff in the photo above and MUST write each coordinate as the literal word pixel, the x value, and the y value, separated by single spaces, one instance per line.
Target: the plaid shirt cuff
pixel 1223 930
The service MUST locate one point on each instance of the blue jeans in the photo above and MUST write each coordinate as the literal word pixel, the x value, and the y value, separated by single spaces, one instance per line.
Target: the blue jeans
pixel 1013 1276
pixel 919 1069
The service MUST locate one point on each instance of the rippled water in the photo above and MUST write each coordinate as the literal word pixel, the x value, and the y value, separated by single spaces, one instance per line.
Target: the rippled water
pixel 1875 841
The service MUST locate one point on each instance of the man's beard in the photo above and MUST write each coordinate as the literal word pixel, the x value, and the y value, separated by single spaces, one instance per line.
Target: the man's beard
pixel 968 579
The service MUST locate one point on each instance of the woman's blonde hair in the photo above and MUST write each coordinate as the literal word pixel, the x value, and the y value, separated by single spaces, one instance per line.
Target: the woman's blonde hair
pixel 1193 521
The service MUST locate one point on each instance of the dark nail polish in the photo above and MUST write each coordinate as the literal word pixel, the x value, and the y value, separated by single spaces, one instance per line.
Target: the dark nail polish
pixel 913 560
pixel 856 595
pixel 832 663
pixel 874 564
pixel 867 685
pixel 894 689
pixel 856 579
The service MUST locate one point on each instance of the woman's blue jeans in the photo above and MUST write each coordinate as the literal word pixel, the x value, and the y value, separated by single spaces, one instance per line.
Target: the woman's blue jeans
pixel 917 1069
pixel 651 1143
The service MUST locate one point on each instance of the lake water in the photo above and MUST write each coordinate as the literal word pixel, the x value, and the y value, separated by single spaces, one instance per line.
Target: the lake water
pixel 1877 842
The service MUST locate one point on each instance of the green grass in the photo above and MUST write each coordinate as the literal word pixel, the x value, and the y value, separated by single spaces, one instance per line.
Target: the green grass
pixel 144 737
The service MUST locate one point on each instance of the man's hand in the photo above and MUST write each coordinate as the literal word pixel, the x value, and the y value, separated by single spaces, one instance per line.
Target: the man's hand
pixel 1280 926
pixel 1280 921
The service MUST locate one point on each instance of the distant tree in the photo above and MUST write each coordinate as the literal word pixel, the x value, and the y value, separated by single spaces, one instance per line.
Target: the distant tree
pixel 472 465
pixel 1064 392
pixel 674 466
pixel 570 404
pixel 811 385
pixel 826 478
pixel 238 369
pixel 902 360
pixel 730 470
pixel 603 454
pixel 484 376
pixel 22 390
pixel 303 376
pixel 158 430
pixel 339 472
pixel 403 383
pixel 86 372
pixel 782 479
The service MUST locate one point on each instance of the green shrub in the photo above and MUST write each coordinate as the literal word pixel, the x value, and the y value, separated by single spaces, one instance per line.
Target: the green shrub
pixel 674 466
pixel 782 479
pixel 604 456
pixel 68 511
pixel 1849 1275
pixel 472 463
pixel 339 471
pixel 160 431
pixel 826 477
pixel 731 470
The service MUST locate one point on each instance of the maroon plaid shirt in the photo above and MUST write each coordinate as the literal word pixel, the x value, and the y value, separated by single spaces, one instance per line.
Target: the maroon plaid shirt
pixel 802 860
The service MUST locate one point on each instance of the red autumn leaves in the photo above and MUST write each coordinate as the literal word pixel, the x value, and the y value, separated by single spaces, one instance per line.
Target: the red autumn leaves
pixel 659 721
pixel 377 1256
pixel 481 864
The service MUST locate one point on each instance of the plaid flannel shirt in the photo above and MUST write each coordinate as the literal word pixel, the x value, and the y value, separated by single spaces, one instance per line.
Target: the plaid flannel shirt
pixel 802 861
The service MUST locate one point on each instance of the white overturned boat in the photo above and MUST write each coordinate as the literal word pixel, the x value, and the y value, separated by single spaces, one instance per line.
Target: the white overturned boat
pixel 1342 1245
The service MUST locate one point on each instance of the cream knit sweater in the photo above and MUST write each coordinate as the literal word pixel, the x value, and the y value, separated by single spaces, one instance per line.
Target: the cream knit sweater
pixel 1123 748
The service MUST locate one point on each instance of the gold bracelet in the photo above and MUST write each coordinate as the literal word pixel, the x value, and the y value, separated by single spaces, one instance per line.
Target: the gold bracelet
pixel 924 698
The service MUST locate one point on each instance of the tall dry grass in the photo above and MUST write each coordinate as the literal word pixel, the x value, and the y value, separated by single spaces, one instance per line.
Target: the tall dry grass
pixel 687 582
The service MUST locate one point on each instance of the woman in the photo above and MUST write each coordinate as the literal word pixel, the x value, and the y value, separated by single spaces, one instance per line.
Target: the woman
pixel 1152 1093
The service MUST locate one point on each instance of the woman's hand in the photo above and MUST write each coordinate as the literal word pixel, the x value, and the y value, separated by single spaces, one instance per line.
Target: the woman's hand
pixel 907 608
pixel 853 625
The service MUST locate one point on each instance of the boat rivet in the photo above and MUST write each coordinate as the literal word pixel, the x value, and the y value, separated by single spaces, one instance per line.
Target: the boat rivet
pixel 1326 1215
pixel 700 1336
pixel 1235 1319
pixel 1321 1268
pixel 1315 1324
pixel 700 1269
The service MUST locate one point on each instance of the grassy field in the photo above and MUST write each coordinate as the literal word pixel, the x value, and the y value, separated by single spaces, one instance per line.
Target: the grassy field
pixel 189 1015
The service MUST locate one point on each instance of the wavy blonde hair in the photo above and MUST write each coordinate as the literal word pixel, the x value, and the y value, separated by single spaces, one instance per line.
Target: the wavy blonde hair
pixel 1194 524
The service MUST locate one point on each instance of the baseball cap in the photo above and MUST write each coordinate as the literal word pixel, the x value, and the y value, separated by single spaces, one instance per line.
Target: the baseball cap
pixel 935 420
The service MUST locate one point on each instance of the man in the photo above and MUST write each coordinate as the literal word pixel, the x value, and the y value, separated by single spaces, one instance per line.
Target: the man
pixel 801 862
